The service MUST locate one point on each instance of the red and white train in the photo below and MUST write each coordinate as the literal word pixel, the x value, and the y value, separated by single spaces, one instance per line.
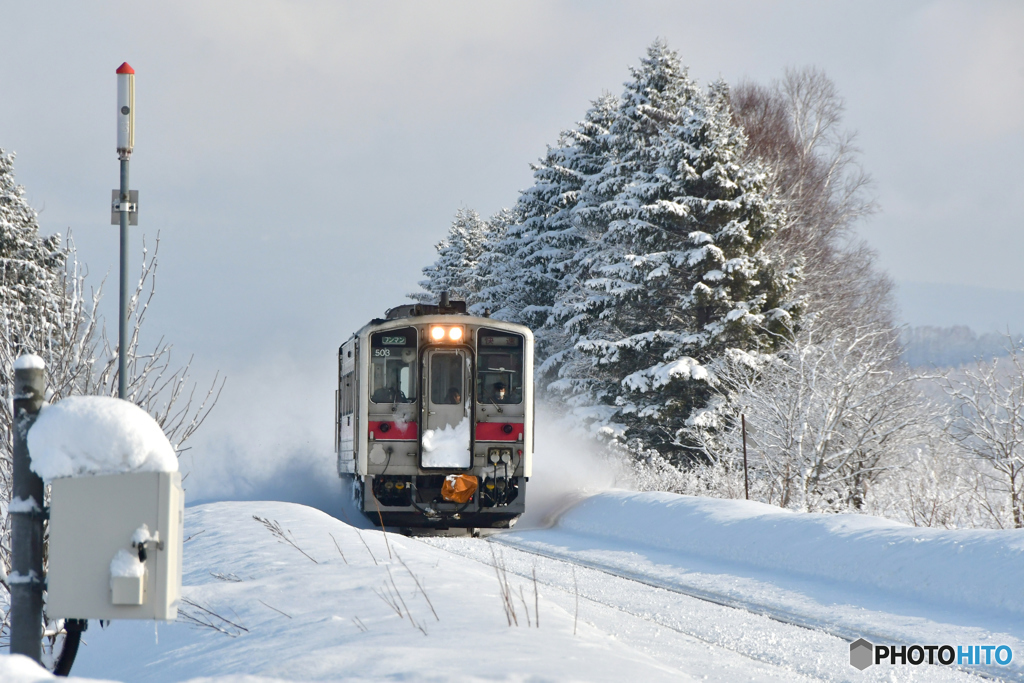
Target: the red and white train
pixel 434 413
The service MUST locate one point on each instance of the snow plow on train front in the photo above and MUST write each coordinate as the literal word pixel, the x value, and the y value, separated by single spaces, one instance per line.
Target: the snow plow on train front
pixel 434 418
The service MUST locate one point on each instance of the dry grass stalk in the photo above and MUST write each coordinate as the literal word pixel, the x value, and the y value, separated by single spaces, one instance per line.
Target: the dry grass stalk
pixel 273 608
pixel 576 590
pixel 393 598
pixel 193 536
pixel 536 599
pixel 381 518
pixel 366 546
pixel 525 607
pixel 506 589
pixel 207 618
pixel 282 535
pixel 419 586
pixel 337 546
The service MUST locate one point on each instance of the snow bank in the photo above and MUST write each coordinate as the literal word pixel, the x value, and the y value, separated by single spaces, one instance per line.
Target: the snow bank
pixel 448 446
pixel 326 621
pixel 21 669
pixel 97 435
pixel 979 569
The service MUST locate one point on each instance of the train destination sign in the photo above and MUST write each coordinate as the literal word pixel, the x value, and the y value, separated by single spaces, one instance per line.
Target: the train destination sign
pixel 490 340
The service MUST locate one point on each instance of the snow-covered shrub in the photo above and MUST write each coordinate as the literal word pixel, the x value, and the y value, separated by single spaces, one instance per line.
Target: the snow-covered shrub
pixel 933 486
pixel 826 417
pixel 989 426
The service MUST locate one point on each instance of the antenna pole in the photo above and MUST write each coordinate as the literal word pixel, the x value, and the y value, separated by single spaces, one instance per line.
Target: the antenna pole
pixel 125 210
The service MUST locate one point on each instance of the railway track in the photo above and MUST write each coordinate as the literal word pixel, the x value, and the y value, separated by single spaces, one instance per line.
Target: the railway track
pixel 788 617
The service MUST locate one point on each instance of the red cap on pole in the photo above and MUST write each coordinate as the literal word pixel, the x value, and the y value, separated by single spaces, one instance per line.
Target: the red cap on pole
pixel 125 68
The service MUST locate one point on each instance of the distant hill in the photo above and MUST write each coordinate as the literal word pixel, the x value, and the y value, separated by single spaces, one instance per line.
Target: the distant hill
pixel 947 305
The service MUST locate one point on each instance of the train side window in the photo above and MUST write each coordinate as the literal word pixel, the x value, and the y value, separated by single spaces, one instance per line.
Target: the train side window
pixel 348 394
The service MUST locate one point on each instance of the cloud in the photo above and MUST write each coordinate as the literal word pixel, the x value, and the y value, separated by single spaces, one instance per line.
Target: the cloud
pixel 967 64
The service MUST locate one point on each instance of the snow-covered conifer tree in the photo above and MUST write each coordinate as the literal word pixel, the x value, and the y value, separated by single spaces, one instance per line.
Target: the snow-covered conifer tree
pixel 678 274
pixel 30 267
pixel 33 301
pixel 539 247
pixel 458 256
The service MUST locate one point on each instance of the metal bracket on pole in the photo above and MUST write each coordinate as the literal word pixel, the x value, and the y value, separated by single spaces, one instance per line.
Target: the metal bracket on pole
pixel 131 206
pixel 37 584
pixel 43 514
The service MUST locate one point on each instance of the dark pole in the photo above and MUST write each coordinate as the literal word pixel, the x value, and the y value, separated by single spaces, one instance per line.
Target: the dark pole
pixel 746 482
pixel 26 579
pixel 122 329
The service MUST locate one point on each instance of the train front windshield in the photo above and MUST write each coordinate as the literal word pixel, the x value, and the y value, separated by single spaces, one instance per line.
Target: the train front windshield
pixel 393 366
pixel 499 367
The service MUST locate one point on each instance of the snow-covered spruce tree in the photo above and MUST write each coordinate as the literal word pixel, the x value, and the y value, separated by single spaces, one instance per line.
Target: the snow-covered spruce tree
pixel 458 256
pixel 33 300
pixel 677 274
pixel 533 261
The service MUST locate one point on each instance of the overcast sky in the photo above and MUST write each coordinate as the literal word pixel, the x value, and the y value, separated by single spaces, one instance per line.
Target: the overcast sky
pixel 300 159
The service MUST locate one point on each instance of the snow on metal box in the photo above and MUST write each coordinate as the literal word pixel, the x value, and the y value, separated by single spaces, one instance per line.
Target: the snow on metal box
pixel 96 526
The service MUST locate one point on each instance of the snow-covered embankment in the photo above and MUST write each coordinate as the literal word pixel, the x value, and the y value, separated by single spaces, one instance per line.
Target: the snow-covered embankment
pixel 975 569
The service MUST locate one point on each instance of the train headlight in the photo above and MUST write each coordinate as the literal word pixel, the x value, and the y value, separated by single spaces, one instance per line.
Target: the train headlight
pixel 439 333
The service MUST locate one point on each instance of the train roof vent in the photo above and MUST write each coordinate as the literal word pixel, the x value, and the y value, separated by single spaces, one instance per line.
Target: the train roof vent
pixel 445 307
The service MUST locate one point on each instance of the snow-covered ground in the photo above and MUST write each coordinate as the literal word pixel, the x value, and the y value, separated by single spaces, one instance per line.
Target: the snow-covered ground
pixel 325 600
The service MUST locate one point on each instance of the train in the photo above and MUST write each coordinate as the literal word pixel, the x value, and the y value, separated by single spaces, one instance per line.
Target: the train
pixel 435 418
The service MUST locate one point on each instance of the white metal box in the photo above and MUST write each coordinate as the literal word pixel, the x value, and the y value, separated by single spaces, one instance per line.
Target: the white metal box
pixel 91 519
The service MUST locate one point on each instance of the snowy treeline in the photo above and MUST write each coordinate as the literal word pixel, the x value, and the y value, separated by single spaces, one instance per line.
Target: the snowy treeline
pixel 46 310
pixel 686 258
pixel 950 347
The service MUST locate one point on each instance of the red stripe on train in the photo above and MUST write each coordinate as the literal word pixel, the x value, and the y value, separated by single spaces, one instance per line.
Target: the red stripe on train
pixel 394 431
pixel 499 431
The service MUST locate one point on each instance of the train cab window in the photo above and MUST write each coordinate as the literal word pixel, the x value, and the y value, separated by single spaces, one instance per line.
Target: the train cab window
pixel 446 378
pixel 499 367
pixel 393 366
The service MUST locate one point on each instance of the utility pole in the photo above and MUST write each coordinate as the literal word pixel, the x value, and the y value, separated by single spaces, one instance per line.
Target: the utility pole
pixel 27 513
pixel 746 481
pixel 125 209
